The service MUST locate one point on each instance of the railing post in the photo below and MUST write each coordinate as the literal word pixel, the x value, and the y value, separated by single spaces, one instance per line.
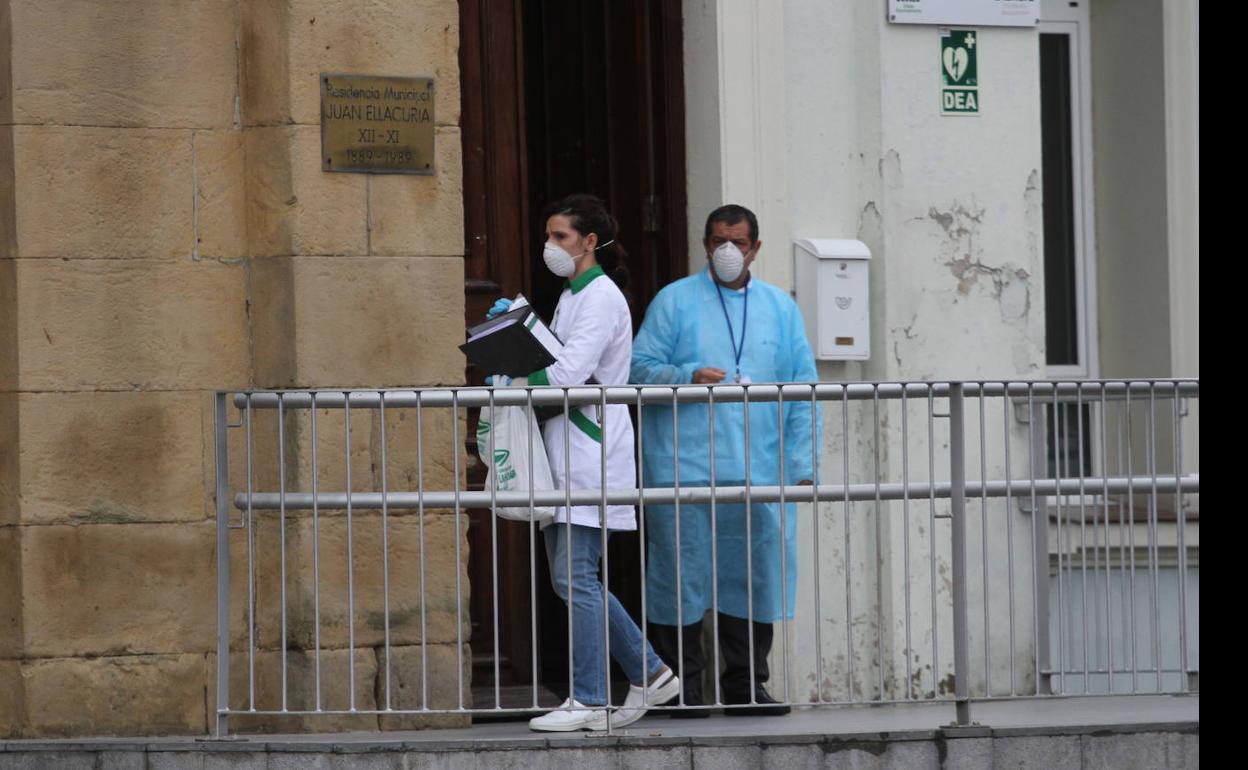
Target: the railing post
pixel 957 483
pixel 223 567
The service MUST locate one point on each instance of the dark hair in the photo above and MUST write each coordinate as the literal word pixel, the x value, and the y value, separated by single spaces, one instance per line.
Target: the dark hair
pixel 730 215
pixel 589 215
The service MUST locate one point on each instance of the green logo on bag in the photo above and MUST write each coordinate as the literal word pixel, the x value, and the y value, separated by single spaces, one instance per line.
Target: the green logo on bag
pixel 501 456
pixel 483 427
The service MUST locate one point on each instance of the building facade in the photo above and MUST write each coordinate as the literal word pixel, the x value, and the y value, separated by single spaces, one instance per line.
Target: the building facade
pixel 167 231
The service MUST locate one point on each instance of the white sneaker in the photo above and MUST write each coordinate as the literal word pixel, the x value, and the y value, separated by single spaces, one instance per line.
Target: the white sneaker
pixel 640 699
pixel 570 716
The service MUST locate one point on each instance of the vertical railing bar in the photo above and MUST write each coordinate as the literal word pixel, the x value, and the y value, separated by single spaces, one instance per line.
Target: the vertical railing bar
pixel 1181 523
pixel 784 532
pixel 459 593
pixel 346 411
pixel 385 541
pixel 983 533
pixel 710 396
pixel 641 549
pixel 1039 593
pixel 679 585
pixel 1135 669
pixel 529 423
pixel 567 509
pixel 1061 546
pixel 814 454
pixel 1009 525
pixel 1109 572
pixel 957 499
pixel 251 572
pixel 493 473
pixel 905 533
pixel 879 546
pixel 420 513
pixel 1083 532
pixel 606 575
pixel 316 559
pixel 749 543
pixel 221 480
pixel 849 587
pixel 931 532
pixel 281 487
pixel 1153 554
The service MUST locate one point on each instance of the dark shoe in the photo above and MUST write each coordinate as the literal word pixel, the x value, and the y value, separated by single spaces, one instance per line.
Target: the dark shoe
pixel 691 699
pixel 763 709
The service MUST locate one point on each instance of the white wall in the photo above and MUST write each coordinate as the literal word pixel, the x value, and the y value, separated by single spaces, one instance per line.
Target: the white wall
pixel 829 126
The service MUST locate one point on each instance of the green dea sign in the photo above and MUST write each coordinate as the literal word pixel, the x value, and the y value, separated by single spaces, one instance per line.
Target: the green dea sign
pixel 959 72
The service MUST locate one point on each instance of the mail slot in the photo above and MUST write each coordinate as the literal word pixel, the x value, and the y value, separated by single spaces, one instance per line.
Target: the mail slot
pixel 833 294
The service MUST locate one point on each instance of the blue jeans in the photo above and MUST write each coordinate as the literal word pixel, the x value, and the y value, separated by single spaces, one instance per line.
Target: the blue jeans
pixel 628 647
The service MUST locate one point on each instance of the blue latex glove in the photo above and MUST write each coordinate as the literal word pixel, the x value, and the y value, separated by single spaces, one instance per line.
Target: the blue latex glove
pixel 501 305
pixel 503 379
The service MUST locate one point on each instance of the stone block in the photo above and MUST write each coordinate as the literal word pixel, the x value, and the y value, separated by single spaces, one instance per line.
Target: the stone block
pixel 659 758
pixel 164 63
pixel 105 589
pixel 8 183
pixel 10 444
pixel 48 760
pixel 10 595
pixel 407 685
pixel 416 447
pixel 129 695
pixel 124 324
pixel 220 194
pixel 1145 751
pixel 112 457
pixel 368 760
pixel 126 194
pixel 727 757
pixel 301 690
pixel 968 753
pixel 12 700
pixel 264 62
pixel 286 46
pixel 421 214
pixel 292 206
pixel 358 322
pixel 808 756
pixel 368 623
pixel 1054 752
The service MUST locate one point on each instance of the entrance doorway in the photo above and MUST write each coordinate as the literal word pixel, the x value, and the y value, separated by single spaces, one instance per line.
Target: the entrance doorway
pixel 559 96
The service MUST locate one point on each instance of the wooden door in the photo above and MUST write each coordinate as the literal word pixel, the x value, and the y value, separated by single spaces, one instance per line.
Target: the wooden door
pixel 560 96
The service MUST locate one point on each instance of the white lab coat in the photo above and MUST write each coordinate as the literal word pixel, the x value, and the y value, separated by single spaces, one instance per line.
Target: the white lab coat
pixel 593 322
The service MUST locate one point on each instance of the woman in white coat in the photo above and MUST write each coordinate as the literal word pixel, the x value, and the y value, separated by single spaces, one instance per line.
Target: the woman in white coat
pixel 593 322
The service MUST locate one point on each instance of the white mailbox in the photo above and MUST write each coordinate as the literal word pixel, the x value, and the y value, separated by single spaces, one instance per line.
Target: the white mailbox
pixel 832 293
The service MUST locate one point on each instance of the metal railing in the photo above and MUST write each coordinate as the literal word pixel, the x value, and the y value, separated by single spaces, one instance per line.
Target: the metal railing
pixel 1074 578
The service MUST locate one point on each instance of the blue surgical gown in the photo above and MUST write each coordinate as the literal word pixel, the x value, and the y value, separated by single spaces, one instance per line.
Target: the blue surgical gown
pixel 685 329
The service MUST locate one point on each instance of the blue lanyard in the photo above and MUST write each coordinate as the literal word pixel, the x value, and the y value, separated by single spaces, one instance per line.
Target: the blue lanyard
pixel 745 311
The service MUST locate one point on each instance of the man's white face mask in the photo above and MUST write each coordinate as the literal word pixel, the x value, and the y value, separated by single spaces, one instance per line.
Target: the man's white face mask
pixel 727 261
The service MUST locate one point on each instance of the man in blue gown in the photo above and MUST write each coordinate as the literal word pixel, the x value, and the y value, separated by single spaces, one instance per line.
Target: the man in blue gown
pixel 723 325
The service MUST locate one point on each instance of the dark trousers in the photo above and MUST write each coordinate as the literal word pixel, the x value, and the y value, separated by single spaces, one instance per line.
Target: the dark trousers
pixel 734 645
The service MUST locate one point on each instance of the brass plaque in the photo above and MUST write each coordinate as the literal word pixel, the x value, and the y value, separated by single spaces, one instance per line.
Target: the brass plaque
pixel 376 125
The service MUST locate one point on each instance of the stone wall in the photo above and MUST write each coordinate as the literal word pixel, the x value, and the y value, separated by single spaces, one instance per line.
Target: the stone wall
pixel 165 232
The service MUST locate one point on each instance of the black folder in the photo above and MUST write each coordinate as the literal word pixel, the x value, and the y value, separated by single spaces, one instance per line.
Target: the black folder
pixel 511 344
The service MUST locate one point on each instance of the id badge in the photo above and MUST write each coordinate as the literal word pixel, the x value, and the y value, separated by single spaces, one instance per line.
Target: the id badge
pixel 743 379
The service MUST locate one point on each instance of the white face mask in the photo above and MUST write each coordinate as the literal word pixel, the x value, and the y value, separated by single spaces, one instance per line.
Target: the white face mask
pixel 560 262
pixel 728 261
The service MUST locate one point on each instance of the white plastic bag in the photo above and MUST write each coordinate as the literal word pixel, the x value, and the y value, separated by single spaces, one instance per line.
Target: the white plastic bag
pixel 516 460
